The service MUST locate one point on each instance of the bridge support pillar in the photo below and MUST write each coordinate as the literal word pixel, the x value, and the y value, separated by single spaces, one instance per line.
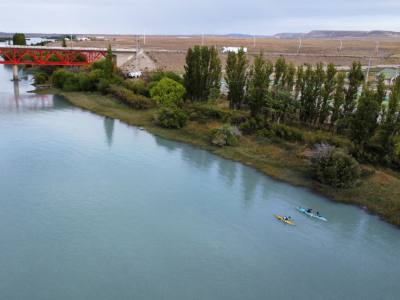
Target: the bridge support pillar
pixel 15 72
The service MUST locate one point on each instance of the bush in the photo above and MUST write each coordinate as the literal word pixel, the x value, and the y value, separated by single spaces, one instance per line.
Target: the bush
pixel 60 76
pixel 226 135
pixel 71 84
pixel 40 78
pixel 335 167
pixel 251 125
pixel 103 85
pixel 320 137
pixel 171 117
pixel 158 75
pixel 205 112
pixel 168 92
pixel 86 82
pixel 287 133
pixel 130 98
pixel 137 86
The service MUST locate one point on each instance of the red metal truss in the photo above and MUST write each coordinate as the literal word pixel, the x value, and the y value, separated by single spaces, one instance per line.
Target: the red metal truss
pixel 50 57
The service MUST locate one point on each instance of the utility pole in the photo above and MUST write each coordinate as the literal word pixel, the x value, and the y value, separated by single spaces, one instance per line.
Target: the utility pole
pixel 137 53
pixel 254 41
pixel 300 43
pixel 369 66
pixel 377 48
pixel 340 46
pixel 202 39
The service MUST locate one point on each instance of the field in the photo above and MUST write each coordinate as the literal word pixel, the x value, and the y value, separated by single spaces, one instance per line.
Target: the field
pixel 168 52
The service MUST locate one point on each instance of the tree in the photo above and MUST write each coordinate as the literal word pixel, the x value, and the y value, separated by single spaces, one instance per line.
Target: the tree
pixel 307 98
pixel 258 85
pixel 19 39
pixel 288 77
pixel 365 120
pixel 280 69
pixel 391 123
pixel 355 78
pixel 327 93
pixel 338 100
pixel 319 79
pixel 299 82
pixel 168 92
pixel 202 72
pixel 236 78
pixel 109 66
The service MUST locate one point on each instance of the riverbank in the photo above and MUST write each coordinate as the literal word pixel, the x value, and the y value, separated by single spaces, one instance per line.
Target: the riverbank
pixel 379 192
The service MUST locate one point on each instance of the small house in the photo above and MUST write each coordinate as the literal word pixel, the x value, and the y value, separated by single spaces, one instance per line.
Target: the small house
pixel 233 49
pixel 390 75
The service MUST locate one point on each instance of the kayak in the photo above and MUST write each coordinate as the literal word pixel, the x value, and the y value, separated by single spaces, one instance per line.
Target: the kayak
pixel 310 214
pixel 280 218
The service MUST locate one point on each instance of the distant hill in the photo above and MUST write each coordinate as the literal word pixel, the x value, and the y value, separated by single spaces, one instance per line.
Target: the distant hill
pixel 329 34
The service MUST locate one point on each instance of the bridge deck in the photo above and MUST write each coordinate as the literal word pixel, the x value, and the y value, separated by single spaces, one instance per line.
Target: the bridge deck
pixel 81 49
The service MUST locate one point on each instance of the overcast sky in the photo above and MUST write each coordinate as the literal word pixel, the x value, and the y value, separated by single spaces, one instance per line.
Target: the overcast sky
pixel 197 16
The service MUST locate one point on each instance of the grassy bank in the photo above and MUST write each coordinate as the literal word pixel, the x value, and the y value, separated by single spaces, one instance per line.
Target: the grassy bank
pixel 378 192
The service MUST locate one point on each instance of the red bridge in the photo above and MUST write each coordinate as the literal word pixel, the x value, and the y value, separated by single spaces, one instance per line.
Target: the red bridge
pixel 50 56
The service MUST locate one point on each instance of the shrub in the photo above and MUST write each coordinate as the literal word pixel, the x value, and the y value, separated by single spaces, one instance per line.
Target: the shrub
pixel 158 75
pixel 130 98
pixel 86 83
pixel 60 76
pixel 226 135
pixel 40 78
pixel 71 84
pixel 320 137
pixel 205 112
pixel 137 86
pixel 251 125
pixel 335 167
pixel 168 92
pixel 171 117
pixel 287 133
pixel 103 85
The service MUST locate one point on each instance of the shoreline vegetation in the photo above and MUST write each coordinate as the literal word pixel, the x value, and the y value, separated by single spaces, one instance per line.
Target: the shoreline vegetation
pixel 312 126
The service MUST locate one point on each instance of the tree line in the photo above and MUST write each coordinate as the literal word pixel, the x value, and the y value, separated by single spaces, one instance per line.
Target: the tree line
pixel 309 96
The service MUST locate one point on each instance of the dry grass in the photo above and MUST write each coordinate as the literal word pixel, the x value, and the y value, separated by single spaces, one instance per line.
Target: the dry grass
pixel 312 51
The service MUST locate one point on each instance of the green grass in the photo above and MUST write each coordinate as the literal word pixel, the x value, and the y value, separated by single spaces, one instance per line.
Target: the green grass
pixel 379 193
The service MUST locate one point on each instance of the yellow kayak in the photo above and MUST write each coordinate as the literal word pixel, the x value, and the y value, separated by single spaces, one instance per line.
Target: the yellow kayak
pixel 280 218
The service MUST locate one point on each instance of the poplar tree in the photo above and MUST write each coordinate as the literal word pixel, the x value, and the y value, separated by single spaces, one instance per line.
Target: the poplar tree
pixel 327 93
pixel 236 78
pixel 202 72
pixel 355 78
pixel 280 68
pixel 338 99
pixel 365 119
pixel 299 82
pixel 258 85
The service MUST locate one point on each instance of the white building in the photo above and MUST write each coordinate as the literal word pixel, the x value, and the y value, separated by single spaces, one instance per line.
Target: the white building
pixel 83 38
pixel 233 49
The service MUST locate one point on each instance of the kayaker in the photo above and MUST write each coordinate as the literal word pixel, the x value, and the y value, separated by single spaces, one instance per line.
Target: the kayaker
pixel 287 218
pixel 318 215
pixel 309 210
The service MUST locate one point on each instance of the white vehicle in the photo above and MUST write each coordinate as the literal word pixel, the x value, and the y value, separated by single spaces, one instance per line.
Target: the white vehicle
pixel 233 49
pixel 135 74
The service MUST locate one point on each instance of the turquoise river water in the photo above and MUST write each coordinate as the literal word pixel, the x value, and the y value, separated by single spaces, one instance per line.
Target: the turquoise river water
pixel 93 209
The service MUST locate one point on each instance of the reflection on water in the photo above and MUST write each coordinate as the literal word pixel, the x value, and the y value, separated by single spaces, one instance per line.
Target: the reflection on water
pixel 109 129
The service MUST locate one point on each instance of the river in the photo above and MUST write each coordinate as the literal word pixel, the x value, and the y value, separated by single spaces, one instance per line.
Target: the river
pixel 91 208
